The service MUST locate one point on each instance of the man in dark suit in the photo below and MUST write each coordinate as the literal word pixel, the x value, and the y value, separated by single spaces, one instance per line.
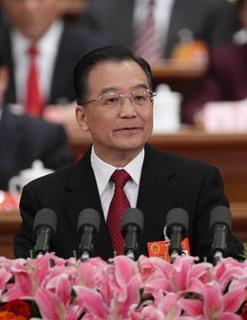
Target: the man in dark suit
pixel 24 139
pixel 226 76
pixel 59 47
pixel 225 80
pixel 115 104
pixel 212 21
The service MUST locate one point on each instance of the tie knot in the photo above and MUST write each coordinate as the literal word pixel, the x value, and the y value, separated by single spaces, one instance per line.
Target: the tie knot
pixel 120 177
pixel 32 51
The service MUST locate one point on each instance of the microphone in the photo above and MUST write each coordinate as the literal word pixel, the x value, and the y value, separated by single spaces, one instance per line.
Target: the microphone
pixel 220 225
pixel 44 228
pixel 88 228
pixel 131 229
pixel 177 221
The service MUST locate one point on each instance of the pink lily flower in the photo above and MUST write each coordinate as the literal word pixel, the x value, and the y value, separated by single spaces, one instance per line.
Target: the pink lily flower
pixel 92 302
pixel 126 286
pixel 5 276
pixel 94 274
pixel 213 304
pixel 52 307
pixel 228 270
pixel 28 278
pixel 181 277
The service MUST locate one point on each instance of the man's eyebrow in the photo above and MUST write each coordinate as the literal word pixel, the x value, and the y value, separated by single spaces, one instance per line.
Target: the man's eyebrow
pixel 108 89
pixel 105 90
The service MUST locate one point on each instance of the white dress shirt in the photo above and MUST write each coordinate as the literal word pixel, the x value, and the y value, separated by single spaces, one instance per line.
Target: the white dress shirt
pixel 103 172
pixel 162 14
pixel 47 47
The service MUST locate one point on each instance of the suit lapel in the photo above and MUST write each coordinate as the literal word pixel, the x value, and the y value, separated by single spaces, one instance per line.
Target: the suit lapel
pixel 155 194
pixel 10 96
pixel 125 24
pixel 83 193
pixel 60 71
pixel 174 26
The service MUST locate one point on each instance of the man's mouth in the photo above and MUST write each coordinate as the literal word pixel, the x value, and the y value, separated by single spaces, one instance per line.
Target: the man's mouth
pixel 128 128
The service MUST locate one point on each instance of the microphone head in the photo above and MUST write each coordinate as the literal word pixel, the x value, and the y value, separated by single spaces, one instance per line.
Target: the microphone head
pixel 177 217
pixel 89 217
pixel 45 218
pixel 220 215
pixel 134 217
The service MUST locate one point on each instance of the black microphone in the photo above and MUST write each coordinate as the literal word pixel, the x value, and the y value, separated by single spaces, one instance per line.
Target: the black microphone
pixel 131 229
pixel 177 221
pixel 44 228
pixel 220 225
pixel 88 228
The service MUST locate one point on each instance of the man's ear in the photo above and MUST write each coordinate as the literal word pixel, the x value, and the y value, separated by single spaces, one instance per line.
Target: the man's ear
pixel 81 117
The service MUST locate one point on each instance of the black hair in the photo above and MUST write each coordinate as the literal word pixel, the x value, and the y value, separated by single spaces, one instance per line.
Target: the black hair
pixel 100 55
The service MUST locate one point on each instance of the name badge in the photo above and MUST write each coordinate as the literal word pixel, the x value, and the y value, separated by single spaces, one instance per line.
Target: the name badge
pixel 161 249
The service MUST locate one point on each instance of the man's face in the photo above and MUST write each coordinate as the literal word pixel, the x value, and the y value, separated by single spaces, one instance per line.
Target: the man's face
pixel 32 17
pixel 121 131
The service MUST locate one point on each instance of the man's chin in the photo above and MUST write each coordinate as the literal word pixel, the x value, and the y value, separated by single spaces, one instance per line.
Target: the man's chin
pixel 130 145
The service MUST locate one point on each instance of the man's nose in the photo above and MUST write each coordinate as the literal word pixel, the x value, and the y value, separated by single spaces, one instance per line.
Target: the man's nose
pixel 127 107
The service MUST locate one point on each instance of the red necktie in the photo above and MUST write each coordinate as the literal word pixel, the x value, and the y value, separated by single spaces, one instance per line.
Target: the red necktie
pixel 118 206
pixel 34 103
pixel 147 44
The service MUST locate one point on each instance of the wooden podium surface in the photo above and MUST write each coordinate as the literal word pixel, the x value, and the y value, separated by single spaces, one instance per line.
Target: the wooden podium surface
pixel 9 225
pixel 180 76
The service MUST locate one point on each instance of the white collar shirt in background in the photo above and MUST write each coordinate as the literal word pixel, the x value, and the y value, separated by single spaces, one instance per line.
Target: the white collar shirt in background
pixel 103 172
pixel 162 14
pixel 47 47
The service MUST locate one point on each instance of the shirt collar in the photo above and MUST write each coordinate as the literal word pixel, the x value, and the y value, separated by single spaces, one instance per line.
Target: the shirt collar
pixel 47 42
pixel 103 170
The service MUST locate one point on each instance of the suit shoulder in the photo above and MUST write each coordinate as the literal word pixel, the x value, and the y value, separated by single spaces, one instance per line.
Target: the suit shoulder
pixel 92 37
pixel 179 162
pixel 33 123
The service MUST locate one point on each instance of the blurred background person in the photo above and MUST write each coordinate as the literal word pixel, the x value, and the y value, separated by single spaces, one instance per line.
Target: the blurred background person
pixel 24 139
pixel 42 51
pixel 71 10
pixel 226 75
pixel 173 21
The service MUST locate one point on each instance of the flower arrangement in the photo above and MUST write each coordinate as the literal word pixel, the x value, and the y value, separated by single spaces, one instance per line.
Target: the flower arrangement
pixel 52 288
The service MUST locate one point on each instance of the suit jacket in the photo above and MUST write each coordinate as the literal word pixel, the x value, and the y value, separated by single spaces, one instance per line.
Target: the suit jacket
pixel 75 42
pixel 167 181
pixel 24 139
pixel 225 80
pixel 209 20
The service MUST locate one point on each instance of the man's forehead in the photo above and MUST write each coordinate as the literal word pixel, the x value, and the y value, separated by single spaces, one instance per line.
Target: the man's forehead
pixel 121 76
pixel 117 68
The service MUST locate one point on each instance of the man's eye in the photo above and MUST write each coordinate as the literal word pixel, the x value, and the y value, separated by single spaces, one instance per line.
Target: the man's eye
pixel 140 98
pixel 112 100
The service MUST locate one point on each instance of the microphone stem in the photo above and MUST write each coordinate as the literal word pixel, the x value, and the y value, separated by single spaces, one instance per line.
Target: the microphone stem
pixel 85 256
pixel 174 255
pixel 130 254
pixel 218 256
